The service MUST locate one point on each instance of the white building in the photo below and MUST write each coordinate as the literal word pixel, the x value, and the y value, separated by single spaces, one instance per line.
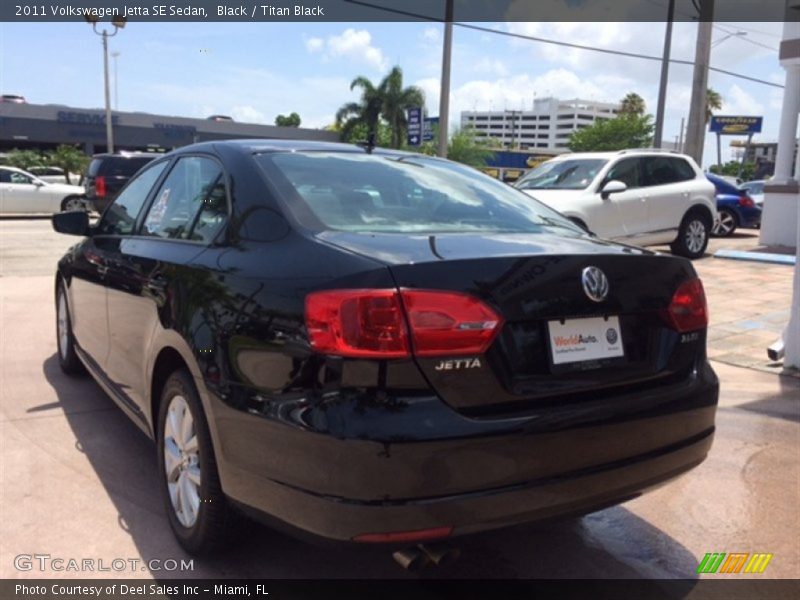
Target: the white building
pixel 547 126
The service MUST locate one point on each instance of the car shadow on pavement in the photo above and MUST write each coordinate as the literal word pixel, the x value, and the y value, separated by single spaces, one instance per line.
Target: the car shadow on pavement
pixel 784 405
pixel 613 543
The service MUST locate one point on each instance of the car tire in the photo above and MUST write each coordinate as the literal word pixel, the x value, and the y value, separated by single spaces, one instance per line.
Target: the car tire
pixel 72 203
pixel 65 341
pixel 726 224
pixel 693 235
pixel 197 509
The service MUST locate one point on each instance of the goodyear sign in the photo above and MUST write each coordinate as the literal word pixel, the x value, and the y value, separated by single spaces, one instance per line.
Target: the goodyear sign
pixel 735 125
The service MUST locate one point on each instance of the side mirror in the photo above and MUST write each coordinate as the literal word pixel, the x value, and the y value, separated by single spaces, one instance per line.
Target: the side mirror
pixel 612 187
pixel 72 223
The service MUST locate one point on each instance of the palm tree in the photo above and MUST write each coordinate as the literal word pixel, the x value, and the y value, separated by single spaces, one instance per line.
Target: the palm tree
pixel 396 100
pixel 366 112
pixel 632 104
pixel 713 102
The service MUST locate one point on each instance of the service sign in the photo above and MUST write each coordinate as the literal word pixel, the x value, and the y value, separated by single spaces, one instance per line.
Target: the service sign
pixel 735 125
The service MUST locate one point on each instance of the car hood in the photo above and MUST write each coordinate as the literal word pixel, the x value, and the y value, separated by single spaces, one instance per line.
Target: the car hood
pixel 398 249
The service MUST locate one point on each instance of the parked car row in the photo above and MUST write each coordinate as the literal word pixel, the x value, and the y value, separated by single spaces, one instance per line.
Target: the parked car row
pixel 735 206
pixel 44 189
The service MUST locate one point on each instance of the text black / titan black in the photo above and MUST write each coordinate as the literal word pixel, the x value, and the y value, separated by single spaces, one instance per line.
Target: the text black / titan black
pixel 379 347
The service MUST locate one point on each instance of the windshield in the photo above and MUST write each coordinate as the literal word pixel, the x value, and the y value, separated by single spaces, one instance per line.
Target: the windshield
pixel 401 194
pixel 570 174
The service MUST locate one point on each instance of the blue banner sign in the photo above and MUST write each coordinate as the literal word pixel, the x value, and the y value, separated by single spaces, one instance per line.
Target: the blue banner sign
pixel 726 125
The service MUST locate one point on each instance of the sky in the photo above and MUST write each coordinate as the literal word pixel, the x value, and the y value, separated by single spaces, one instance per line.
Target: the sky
pixel 255 71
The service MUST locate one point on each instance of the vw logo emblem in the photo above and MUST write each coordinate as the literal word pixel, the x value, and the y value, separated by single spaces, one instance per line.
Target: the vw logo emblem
pixel 595 284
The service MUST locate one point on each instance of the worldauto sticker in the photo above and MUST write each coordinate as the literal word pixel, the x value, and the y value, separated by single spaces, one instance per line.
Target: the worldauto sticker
pixel 585 339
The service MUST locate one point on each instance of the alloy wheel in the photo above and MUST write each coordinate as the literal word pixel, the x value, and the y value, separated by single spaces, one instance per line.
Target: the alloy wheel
pixel 695 236
pixel 182 461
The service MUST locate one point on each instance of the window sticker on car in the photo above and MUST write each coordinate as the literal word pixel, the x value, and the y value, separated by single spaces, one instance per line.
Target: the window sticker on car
pixel 157 213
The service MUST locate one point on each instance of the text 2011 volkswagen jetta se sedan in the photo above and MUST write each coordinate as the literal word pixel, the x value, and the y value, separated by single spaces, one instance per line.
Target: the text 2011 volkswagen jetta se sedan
pixel 380 347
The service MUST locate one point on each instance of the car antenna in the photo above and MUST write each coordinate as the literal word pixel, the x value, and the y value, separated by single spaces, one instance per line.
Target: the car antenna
pixel 369 144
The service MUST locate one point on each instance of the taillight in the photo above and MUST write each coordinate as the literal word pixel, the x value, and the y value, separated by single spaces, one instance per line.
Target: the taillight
pixel 746 202
pixel 100 186
pixel 688 310
pixel 392 324
pixel 449 323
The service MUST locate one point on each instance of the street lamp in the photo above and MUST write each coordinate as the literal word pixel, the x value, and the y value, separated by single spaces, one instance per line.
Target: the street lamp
pixel 115 56
pixel 118 22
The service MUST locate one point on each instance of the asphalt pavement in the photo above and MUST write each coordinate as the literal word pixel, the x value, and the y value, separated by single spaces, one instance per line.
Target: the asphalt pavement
pixel 78 479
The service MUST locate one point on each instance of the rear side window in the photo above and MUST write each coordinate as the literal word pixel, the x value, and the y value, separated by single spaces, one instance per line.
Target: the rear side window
pixel 120 217
pixel 191 204
pixel 683 169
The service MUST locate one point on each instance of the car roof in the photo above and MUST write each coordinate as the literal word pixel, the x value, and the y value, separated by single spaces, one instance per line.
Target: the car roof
pixel 127 155
pixel 257 146
pixel 619 153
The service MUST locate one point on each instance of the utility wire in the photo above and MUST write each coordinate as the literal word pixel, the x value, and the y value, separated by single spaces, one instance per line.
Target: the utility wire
pixel 558 43
pixel 615 52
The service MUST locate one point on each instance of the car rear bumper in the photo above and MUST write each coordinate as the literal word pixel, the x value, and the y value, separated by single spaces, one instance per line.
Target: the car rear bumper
pixel 340 488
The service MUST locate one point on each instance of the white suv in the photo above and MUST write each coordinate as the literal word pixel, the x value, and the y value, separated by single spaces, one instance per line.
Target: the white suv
pixel 642 197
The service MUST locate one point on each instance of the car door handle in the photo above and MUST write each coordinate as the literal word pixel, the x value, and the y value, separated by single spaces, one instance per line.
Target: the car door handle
pixel 156 285
pixel 102 270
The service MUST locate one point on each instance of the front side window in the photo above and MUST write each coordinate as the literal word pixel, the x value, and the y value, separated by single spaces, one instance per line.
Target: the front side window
pixel 120 217
pixel 19 178
pixel 627 171
pixel 191 204
pixel 401 194
pixel 569 174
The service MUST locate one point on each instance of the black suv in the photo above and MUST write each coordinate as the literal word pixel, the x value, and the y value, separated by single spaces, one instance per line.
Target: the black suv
pixel 108 174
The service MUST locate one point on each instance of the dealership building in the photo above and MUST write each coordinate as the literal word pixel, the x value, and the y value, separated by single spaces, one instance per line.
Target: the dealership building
pixel 34 126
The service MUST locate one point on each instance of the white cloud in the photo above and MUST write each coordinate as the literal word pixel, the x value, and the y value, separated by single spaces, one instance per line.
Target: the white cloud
pixel 248 114
pixel 352 44
pixel 491 66
pixel 431 34
pixel 315 44
pixel 738 102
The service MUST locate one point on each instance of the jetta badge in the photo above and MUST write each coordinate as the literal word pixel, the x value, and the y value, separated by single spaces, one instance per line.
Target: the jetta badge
pixel 595 284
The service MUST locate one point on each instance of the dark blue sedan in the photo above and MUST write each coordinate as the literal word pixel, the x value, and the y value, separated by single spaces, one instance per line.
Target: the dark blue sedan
pixel 734 207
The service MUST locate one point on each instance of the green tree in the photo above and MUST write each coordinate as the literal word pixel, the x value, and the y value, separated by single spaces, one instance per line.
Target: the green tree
pixel 734 168
pixel 366 112
pixel 292 120
pixel 396 101
pixel 70 159
pixel 24 159
pixel 360 133
pixel 713 102
pixel 632 104
pixel 464 147
pixel 626 131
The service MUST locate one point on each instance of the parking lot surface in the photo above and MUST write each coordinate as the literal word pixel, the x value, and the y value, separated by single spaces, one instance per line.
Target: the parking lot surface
pixel 78 479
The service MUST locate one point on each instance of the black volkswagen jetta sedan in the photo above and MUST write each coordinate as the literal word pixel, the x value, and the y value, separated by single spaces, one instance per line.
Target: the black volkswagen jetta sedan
pixel 380 347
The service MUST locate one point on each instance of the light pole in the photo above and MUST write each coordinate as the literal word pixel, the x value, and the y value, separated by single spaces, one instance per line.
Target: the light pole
pixel 118 22
pixel 115 56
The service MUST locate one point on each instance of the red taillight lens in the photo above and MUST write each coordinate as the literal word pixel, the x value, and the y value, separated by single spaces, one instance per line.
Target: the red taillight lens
pixel 688 310
pixel 358 323
pixel 100 186
pixel 372 323
pixel 449 323
pixel 746 202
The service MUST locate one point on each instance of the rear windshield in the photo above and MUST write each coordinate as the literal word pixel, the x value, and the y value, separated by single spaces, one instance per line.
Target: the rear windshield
pixel 570 174
pixel 406 194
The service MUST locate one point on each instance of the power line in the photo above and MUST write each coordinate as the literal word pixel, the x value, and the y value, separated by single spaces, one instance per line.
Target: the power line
pixel 558 43
pixel 614 52
pixel 743 38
